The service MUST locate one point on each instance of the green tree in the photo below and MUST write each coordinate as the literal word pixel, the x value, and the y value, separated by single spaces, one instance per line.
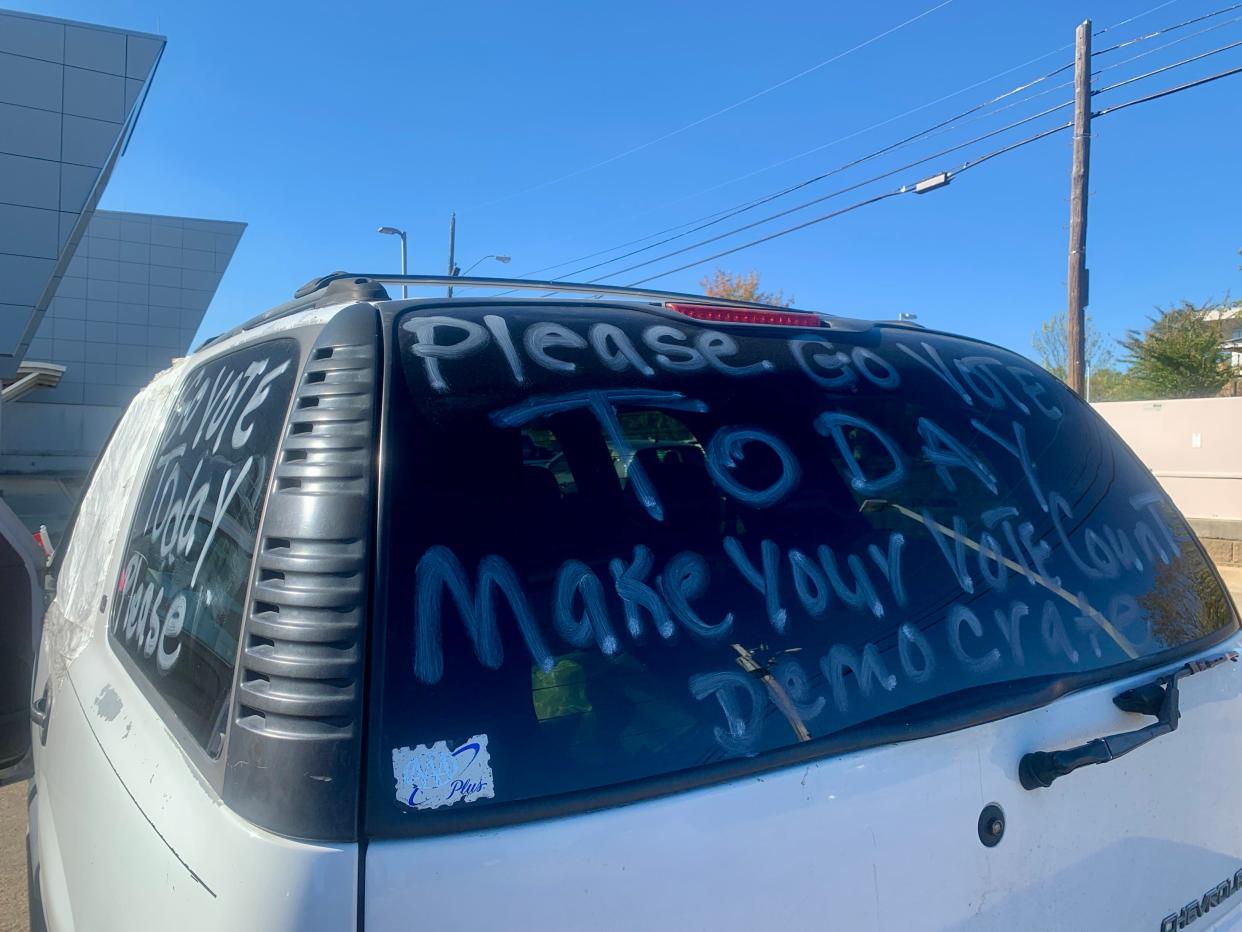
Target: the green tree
pixel 1051 342
pixel 740 287
pixel 1111 384
pixel 1180 354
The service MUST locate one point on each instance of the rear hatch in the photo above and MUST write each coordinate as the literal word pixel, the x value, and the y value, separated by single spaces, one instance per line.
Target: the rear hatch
pixel 702 617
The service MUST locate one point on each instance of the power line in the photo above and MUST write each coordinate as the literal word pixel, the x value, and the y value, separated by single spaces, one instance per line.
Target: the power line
pixel 1124 22
pixel 1003 150
pixel 771 236
pixel 1019 88
pixel 1179 64
pixel 727 213
pixel 885 122
pixel 1166 29
pixel 904 189
pixel 732 211
pixel 724 214
pixel 723 110
pixel 944 125
pixel 1167 92
pixel 979 106
pixel 839 192
pixel 888 120
pixel 1165 45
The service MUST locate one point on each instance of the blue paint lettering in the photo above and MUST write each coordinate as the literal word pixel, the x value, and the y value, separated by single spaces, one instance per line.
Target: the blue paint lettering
pixel 766 583
pixel 833 424
pixel 603 404
pixel 961 615
pixel 935 365
pixel 439 569
pixel 576 580
pixel 731 688
pixel 638 597
pixel 869 671
pixel 945 452
pixel 727 448
pixel 686 577
pixel 862 594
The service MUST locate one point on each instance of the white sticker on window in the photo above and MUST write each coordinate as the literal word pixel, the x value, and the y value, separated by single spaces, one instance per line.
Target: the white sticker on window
pixel 431 777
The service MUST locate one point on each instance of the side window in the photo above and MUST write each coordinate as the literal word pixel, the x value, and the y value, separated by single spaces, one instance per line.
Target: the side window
pixel 179 599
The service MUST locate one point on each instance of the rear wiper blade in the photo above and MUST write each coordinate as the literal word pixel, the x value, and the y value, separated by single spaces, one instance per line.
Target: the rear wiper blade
pixel 1158 698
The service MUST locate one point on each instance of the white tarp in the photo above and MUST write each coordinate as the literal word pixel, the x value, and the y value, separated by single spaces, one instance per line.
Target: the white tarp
pixel 84 578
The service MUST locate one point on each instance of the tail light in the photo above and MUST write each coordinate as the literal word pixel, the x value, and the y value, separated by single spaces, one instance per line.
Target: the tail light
pixel 723 314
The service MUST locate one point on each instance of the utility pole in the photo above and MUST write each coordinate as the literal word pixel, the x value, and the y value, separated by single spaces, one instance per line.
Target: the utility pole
pixel 452 249
pixel 1078 281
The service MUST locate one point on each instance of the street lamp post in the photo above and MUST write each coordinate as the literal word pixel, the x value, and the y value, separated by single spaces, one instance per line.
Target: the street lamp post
pixel 393 231
pixel 452 264
pixel 504 259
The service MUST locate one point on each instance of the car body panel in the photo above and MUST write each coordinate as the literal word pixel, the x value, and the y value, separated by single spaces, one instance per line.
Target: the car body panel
pixel 880 839
pixel 127 831
pixel 158 835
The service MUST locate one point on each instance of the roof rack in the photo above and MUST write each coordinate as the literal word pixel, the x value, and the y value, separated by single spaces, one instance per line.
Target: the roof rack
pixel 339 287
pixel 527 284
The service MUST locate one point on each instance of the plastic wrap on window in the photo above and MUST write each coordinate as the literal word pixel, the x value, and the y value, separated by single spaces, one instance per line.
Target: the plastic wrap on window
pixel 85 584
pixel 86 576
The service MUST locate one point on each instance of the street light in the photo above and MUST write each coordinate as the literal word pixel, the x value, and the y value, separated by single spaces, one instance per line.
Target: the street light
pixel 393 231
pixel 505 259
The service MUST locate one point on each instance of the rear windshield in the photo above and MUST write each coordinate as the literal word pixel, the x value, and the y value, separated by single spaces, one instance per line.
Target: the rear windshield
pixel 620 545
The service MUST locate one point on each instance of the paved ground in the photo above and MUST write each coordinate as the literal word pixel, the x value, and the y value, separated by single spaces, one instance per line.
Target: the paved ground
pixel 13 824
pixel 13 858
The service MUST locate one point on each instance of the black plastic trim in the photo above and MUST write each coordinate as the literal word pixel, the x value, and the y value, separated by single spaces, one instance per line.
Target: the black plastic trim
pixel 335 289
pixel 295 743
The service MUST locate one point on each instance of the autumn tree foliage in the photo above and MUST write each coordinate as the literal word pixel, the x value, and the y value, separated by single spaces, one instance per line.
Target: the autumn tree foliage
pixel 741 287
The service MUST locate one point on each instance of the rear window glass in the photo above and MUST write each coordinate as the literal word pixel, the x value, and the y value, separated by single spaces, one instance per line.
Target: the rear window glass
pixel 178 605
pixel 621 545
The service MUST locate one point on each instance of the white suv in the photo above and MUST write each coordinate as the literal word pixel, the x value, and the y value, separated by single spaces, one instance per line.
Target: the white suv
pixel 651 611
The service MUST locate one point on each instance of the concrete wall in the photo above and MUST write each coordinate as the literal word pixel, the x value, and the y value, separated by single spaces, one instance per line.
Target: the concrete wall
pixel 1194 448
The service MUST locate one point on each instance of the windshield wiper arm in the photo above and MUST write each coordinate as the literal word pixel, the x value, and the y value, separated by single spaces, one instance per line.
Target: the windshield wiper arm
pixel 1158 698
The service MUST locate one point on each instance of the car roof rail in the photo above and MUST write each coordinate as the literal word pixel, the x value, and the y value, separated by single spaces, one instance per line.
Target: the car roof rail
pixel 528 284
pixel 341 287
pixel 337 288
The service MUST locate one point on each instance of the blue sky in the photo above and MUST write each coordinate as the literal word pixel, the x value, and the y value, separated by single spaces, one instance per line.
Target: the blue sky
pixel 317 122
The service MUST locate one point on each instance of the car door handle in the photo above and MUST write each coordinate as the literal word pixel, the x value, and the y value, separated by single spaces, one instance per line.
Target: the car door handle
pixel 41 712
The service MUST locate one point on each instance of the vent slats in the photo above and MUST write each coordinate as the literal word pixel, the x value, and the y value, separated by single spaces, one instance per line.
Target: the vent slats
pixel 302 659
